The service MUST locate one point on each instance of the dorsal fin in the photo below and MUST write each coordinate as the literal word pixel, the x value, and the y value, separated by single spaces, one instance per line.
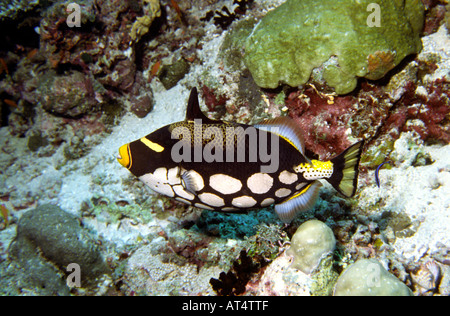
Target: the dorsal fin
pixel 287 129
pixel 193 110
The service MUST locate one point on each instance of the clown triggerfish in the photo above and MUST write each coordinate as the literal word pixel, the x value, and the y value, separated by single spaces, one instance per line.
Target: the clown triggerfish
pixel 226 166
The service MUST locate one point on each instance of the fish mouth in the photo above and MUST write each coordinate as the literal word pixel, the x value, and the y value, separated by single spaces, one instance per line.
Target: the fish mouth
pixel 124 157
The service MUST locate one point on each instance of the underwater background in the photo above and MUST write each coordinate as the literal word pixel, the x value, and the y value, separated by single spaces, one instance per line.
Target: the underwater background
pixel 80 79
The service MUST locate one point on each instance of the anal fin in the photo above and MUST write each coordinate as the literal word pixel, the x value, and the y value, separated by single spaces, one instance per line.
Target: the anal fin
pixel 301 202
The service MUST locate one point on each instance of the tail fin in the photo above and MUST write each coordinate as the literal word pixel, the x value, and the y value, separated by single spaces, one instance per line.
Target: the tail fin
pixel 345 170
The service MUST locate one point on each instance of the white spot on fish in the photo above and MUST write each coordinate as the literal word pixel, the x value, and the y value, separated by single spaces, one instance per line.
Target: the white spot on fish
pixel 203 206
pixel 282 192
pixel 244 201
pixel 157 181
pixel 211 199
pixel 161 174
pixel 287 177
pixel 260 183
pixel 225 184
pixel 267 202
pixel 173 176
pixel 180 191
pixel 228 209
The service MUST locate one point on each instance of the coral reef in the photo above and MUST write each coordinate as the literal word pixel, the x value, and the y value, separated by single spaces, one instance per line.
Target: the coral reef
pixel 233 225
pixel 324 119
pixel 311 243
pixel 369 278
pixel 40 250
pixel 70 96
pixel 10 8
pixel 141 27
pixel 329 121
pixel 234 281
pixel 148 273
pixel 426 277
pixel 245 273
pixel 142 105
pixel 299 36
pixel 171 74
pixel 402 215
pixel 280 279
pixel 227 14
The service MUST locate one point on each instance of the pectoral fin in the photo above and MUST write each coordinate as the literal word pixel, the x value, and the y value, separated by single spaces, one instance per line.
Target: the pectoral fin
pixel 192 181
pixel 300 202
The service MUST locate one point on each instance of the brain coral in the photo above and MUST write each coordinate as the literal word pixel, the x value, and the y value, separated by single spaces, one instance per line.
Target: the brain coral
pixel 345 39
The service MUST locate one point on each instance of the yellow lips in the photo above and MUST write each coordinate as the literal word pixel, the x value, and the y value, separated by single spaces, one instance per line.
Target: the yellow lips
pixel 124 156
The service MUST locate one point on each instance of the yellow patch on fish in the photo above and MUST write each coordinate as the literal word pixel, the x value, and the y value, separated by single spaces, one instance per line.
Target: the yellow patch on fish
pixel 153 146
pixel 322 165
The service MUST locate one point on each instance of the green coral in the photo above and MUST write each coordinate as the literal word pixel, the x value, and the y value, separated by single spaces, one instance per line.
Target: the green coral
pixel 231 50
pixel 335 37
